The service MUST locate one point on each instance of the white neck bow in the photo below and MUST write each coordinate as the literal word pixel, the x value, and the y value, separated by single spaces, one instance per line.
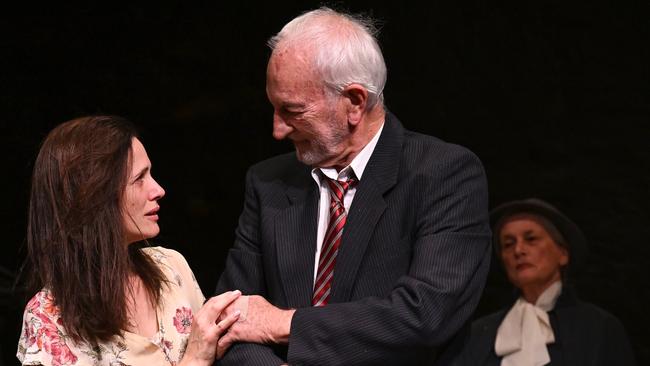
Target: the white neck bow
pixel 525 331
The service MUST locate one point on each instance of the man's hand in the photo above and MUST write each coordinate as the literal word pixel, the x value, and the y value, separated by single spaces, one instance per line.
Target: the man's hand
pixel 264 323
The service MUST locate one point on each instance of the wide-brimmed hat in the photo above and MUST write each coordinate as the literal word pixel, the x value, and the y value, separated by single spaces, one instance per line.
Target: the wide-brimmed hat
pixel 575 239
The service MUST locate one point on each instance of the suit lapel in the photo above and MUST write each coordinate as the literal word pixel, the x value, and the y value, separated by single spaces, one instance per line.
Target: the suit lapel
pixel 567 331
pixel 295 234
pixel 367 207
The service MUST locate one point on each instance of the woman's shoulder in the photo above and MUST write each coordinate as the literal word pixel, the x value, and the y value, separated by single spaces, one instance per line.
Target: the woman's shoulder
pixel 165 256
pixel 591 327
pixel 179 275
pixel 588 313
pixel 483 330
pixel 42 330
pixel 570 303
pixel 159 251
pixel 171 262
pixel 489 321
pixel 477 342
pixel 42 304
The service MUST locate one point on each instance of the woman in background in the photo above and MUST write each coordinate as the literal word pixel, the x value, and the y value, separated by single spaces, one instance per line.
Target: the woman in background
pixel 102 298
pixel 547 325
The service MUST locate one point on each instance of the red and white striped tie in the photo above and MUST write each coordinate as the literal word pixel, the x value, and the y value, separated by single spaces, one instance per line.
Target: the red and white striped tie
pixel 332 240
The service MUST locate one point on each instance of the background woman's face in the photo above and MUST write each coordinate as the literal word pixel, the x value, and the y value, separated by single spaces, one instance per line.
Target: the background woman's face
pixel 140 197
pixel 529 254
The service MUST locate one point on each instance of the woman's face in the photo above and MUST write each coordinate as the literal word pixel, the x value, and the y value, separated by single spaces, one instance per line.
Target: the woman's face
pixel 141 197
pixel 529 254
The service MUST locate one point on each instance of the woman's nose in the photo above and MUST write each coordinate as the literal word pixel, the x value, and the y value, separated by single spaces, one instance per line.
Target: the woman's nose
pixel 157 192
pixel 519 248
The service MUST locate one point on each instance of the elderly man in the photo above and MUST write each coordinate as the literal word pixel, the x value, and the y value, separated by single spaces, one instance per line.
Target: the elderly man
pixel 371 242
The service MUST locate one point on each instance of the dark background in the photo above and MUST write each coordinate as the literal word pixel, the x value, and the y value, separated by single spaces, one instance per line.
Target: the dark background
pixel 553 96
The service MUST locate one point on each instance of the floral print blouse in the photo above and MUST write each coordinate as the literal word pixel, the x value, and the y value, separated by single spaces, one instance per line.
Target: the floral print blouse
pixel 44 341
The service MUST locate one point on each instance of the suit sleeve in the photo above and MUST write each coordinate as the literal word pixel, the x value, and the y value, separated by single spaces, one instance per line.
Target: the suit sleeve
pixel 427 306
pixel 244 272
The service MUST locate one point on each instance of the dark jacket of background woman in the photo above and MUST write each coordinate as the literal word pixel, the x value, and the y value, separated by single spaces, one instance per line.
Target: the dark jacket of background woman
pixel 584 335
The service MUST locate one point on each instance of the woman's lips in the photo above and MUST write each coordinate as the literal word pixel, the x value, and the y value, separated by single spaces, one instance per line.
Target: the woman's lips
pixel 522 266
pixel 153 214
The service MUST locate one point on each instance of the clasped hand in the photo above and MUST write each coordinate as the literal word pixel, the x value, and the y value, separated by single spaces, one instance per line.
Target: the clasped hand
pixel 259 322
pixel 229 318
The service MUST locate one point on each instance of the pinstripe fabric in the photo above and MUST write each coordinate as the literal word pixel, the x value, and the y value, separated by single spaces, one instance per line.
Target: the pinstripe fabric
pixel 330 249
pixel 411 263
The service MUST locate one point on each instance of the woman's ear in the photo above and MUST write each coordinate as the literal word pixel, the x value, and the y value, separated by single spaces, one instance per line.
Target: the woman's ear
pixel 564 256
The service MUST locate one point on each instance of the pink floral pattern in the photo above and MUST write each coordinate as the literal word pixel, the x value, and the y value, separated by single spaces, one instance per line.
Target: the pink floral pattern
pixel 44 340
pixel 183 320
pixel 42 329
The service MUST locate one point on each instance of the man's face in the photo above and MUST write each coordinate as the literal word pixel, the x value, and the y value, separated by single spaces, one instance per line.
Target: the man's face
pixel 314 121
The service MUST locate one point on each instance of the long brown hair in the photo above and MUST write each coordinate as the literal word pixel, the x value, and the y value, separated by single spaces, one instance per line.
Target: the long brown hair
pixel 76 244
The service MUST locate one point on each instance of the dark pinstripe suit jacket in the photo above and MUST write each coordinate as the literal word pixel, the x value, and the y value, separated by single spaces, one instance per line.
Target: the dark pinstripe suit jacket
pixel 411 265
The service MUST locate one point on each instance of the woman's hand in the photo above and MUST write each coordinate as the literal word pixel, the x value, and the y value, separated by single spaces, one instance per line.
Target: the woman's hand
pixel 206 330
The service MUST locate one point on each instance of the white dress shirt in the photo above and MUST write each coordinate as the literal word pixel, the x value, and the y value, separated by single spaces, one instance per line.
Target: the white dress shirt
pixel 354 170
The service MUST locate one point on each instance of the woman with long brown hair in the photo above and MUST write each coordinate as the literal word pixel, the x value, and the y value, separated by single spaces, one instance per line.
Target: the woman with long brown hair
pixel 102 297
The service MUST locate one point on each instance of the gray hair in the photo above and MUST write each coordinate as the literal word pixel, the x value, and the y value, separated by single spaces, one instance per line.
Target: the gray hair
pixel 545 223
pixel 344 49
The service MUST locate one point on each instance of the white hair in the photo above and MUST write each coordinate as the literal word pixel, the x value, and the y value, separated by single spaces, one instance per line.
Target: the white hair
pixel 344 50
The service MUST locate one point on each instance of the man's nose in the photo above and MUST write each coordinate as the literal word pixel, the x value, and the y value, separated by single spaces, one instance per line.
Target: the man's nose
pixel 280 128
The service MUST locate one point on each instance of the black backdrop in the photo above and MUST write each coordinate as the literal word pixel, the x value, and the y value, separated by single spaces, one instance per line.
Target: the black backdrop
pixel 552 96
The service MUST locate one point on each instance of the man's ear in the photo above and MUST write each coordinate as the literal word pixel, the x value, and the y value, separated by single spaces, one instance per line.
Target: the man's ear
pixel 357 98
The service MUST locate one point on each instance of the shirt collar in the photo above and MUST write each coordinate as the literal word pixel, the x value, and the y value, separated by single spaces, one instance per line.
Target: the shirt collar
pixel 356 167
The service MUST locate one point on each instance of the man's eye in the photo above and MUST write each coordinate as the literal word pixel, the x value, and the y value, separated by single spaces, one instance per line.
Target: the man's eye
pixel 291 110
